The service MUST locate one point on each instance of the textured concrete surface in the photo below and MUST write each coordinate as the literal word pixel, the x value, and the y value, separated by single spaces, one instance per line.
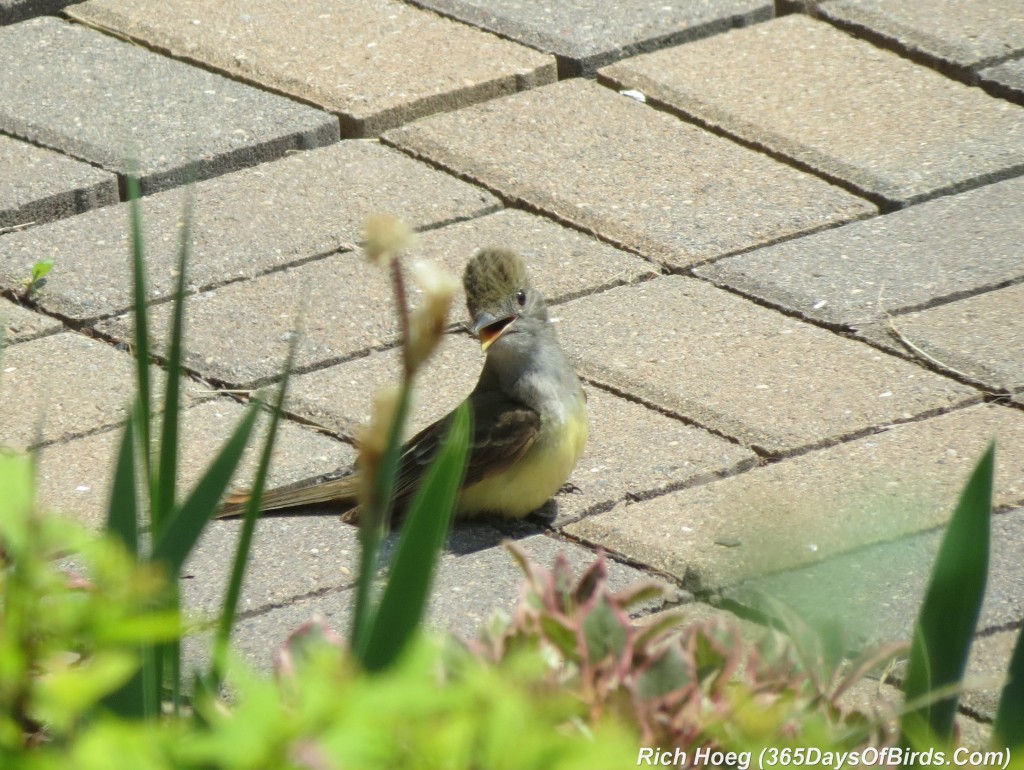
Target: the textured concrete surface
pixel 882 125
pixel 383 69
pixel 61 386
pixel 37 185
pixel 876 592
pixel 765 379
pixel 980 338
pixel 74 477
pixel 111 103
pixel 587 34
pixel 19 10
pixel 966 35
pixel 18 324
pixel 633 452
pixel 240 333
pixel 607 164
pixel 809 508
pixel 1005 80
pixel 306 205
pixel 476 578
pixel 913 258
pixel 986 672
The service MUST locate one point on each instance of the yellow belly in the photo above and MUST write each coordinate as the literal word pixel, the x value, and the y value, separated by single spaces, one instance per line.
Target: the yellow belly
pixel 531 482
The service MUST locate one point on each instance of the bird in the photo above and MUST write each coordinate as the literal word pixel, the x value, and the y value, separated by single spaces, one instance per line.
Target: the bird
pixel 528 408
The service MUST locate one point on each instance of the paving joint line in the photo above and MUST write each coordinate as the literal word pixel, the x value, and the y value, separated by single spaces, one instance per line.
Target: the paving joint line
pixel 514 201
pixel 968 75
pixel 206 67
pixel 883 204
pixel 898 349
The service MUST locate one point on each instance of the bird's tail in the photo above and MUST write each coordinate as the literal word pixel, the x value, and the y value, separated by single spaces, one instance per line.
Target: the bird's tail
pixel 341 492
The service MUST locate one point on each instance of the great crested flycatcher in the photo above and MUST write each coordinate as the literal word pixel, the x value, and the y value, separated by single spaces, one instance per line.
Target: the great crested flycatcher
pixel 529 410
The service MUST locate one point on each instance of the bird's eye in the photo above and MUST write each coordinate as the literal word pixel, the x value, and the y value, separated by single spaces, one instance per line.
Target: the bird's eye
pixel 521 297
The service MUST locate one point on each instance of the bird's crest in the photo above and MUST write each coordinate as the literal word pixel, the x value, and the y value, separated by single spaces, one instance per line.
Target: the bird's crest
pixel 491 276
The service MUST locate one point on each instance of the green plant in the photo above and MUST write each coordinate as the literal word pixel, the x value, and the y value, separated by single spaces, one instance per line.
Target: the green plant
pixel 946 623
pixel 66 642
pixel 381 631
pixel 174 521
pixel 32 285
pixel 685 686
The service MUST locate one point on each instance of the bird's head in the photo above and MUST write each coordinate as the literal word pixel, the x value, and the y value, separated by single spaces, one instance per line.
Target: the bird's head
pixel 499 297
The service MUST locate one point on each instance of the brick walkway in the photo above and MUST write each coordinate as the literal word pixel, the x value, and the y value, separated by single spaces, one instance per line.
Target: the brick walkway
pixel 727 208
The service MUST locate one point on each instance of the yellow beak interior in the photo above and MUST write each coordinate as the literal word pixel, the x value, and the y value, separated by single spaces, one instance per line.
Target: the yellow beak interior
pixel 490 333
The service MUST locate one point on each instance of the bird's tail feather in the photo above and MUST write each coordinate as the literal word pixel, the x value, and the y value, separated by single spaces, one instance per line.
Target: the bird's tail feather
pixel 342 491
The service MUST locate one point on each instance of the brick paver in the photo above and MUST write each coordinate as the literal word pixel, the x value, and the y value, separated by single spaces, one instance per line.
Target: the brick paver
pixel 767 380
pixel 876 592
pixel 980 338
pixel 74 477
pixel 18 324
pixel 639 177
pixel 377 64
pixel 306 205
pixel 61 386
pixel 975 34
pixel 1005 80
pixel 895 130
pixel 19 10
pixel 111 103
pixel 37 185
pixel 806 509
pixel 587 35
pixel 474 580
pixel 854 275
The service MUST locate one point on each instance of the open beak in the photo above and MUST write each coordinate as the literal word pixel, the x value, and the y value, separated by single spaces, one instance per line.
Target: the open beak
pixel 490 328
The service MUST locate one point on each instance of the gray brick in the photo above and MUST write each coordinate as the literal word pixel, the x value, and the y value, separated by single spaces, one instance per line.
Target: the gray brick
pixel 388 63
pixel 886 127
pixel 980 338
pixel 240 333
pixel 475 579
pixel 585 35
pixel 633 175
pixel 12 11
pixel 767 380
pixel 1005 80
pixel 74 477
pixel 37 185
pixel 986 672
pixel 876 592
pixel 912 258
pixel 306 205
pixel 18 324
pixel 809 508
pixel 104 101
pixel 61 386
pixel 945 35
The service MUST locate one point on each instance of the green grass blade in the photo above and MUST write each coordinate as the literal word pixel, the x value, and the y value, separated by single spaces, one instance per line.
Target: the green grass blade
pixel 141 342
pixel 1008 728
pixel 423 533
pixel 949 614
pixel 167 475
pixel 123 508
pixel 186 524
pixel 372 522
pixel 252 512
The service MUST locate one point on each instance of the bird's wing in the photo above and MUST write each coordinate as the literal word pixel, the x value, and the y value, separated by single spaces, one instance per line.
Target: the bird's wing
pixel 503 431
